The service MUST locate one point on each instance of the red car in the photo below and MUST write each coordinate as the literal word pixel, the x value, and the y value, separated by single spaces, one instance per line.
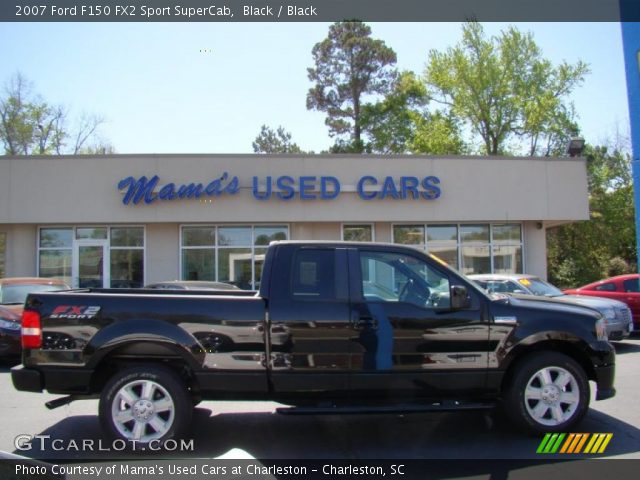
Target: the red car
pixel 623 287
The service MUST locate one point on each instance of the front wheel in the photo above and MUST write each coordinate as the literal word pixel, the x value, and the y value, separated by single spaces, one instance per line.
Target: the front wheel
pixel 549 392
pixel 145 404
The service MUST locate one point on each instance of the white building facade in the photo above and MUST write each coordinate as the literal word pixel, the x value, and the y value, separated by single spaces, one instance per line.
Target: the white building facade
pixel 129 220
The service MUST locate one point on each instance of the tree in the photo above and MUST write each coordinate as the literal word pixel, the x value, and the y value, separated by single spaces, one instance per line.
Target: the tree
pixel 274 141
pixel 349 65
pixel 504 90
pixel 583 252
pixel 402 123
pixel 29 125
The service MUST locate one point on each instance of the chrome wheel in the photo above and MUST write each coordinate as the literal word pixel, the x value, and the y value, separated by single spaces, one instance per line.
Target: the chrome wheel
pixel 143 410
pixel 552 396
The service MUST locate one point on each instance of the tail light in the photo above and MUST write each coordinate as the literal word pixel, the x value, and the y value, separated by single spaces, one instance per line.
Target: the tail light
pixel 31 330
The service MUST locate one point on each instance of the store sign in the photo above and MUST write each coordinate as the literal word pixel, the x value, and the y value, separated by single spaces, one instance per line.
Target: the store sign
pixel 285 187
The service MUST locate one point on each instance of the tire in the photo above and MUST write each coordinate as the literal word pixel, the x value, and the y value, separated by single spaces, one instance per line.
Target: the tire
pixel 144 404
pixel 549 392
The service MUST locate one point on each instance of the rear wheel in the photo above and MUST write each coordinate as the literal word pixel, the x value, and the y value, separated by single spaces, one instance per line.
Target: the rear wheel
pixel 549 392
pixel 144 404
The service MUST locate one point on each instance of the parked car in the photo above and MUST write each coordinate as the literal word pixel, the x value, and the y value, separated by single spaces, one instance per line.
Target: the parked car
pixel 335 328
pixel 618 315
pixel 623 288
pixel 14 290
pixel 191 285
pixel 9 333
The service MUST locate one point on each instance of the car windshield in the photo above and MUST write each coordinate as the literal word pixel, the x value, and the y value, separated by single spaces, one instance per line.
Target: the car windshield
pixel 540 287
pixel 17 294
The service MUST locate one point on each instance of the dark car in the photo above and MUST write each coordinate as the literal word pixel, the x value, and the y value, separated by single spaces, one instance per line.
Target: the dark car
pixel 623 288
pixel 191 285
pixel 9 334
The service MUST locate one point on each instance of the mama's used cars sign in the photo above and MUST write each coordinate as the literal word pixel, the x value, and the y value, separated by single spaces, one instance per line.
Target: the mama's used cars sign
pixel 285 187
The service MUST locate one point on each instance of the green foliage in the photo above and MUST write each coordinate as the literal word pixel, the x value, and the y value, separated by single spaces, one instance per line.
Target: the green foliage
pixel 401 122
pixel 29 125
pixel 583 252
pixel 274 141
pixel 504 90
pixel 349 65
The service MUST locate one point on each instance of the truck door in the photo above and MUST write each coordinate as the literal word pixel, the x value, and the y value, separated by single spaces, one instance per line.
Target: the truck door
pixel 406 341
pixel 309 320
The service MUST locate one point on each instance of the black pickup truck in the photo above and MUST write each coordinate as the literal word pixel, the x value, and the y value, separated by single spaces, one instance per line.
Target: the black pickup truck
pixel 336 327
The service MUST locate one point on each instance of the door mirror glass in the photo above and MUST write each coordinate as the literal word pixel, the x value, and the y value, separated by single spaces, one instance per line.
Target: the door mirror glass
pixel 459 297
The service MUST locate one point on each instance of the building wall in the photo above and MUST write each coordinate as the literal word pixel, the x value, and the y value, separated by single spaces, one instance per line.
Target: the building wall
pixel 77 190
pixel 84 189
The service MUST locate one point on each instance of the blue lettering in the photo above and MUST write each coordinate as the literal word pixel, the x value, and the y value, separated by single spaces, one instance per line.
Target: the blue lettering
pixel 138 190
pixel 256 189
pixel 168 192
pixel 389 188
pixel 409 185
pixel 285 185
pixel 361 184
pixel 431 190
pixel 191 190
pixel 325 194
pixel 234 185
pixel 306 187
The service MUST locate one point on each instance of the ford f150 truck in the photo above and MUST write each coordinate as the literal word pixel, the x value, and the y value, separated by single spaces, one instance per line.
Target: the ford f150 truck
pixel 336 327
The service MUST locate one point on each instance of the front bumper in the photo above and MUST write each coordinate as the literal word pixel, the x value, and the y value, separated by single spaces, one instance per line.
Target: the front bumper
pixel 605 376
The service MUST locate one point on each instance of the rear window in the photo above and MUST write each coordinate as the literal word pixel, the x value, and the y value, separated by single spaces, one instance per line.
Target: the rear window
pixel 631 285
pixel 606 287
pixel 314 275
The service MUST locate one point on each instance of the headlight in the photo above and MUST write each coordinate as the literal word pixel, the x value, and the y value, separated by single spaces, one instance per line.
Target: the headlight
pixel 601 329
pixel 609 313
pixel 8 325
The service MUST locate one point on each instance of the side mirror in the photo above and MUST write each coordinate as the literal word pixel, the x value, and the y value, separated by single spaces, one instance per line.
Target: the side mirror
pixel 459 297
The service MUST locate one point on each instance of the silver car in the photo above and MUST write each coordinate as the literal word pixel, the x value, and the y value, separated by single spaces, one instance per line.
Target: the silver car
pixel 618 315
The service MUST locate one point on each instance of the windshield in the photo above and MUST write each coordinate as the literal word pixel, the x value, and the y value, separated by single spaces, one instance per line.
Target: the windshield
pixel 540 287
pixel 17 294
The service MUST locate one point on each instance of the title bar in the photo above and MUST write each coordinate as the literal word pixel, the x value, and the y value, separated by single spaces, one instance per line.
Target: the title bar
pixel 319 10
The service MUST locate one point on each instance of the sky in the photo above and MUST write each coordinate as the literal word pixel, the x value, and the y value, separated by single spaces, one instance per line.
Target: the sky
pixel 208 87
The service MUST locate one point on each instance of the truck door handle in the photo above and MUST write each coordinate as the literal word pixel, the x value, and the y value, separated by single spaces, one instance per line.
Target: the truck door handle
pixel 366 322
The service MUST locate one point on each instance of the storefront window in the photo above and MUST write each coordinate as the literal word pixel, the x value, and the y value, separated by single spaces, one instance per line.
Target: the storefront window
pixel 357 233
pixel 507 248
pixel 91 233
pixel 231 254
pixel 122 248
pixel 55 253
pixel 408 234
pixel 127 257
pixel 56 238
pixel 480 248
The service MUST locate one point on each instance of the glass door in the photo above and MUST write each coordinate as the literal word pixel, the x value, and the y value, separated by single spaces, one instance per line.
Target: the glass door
pixel 90 264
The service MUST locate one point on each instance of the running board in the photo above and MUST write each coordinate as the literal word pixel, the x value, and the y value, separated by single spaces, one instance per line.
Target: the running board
pixel 402 408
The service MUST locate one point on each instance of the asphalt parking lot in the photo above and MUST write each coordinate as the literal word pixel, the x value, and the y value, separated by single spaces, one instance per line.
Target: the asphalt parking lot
pixel 254 430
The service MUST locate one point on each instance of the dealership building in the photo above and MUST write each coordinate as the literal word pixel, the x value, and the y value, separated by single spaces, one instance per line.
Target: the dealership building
pixel 130 220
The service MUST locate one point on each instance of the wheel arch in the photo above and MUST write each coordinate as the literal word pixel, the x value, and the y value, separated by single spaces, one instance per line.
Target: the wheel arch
pixel 574 349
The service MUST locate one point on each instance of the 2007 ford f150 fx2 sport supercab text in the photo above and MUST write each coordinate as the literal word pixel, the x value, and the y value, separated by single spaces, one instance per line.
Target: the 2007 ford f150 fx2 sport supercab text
pixel 336 327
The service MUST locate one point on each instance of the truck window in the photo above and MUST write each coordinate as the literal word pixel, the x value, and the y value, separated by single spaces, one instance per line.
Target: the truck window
pixel 314 275
pixel 395 277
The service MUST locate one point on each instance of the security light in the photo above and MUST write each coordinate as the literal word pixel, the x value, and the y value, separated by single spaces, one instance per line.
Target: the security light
pixel 576 146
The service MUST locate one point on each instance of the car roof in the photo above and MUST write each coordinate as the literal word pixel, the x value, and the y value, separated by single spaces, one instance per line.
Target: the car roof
pixel 500 276
pixel 31 280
